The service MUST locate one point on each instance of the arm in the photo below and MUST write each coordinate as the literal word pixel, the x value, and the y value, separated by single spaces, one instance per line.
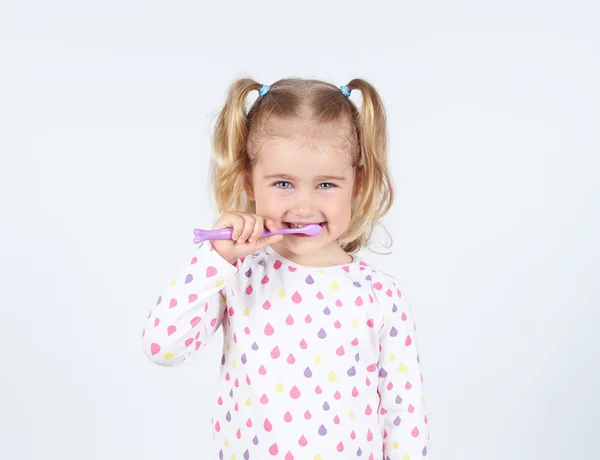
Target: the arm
pixel 402 404
pixel 190 309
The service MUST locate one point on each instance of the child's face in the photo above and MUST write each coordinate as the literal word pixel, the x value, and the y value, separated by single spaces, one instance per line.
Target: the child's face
pixel 297 181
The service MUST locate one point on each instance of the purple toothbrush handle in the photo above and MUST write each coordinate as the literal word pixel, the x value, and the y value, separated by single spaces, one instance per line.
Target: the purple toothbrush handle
pixel 220 234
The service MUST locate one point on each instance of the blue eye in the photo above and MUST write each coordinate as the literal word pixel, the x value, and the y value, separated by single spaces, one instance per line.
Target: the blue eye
pixel 286 185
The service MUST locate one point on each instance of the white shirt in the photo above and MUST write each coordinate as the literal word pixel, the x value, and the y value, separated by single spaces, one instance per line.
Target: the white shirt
pixel 318 362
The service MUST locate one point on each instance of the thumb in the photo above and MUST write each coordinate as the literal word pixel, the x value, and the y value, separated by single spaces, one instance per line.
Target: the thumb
pixel 262 242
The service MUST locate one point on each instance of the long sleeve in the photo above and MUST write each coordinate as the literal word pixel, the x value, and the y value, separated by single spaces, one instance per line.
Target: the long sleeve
pixel 402 408
pixel 190 309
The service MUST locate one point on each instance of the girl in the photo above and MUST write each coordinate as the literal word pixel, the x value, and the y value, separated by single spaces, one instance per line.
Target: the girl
pixel 320 356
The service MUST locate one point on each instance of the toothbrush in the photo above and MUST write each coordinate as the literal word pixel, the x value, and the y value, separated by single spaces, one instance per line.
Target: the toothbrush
pixel 225 233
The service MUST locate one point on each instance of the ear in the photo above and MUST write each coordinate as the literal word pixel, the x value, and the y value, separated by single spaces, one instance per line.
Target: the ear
pixel 248 186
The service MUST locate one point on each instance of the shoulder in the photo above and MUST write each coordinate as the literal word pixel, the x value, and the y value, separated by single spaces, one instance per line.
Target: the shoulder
pixel 380 281
pixel 387 292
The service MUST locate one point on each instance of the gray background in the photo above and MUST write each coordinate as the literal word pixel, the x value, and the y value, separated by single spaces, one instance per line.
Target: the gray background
pixel 105 115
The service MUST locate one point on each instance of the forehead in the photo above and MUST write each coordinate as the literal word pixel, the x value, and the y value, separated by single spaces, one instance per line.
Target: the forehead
pixel 305 149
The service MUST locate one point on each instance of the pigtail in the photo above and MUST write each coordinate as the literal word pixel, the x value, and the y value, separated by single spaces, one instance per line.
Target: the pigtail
pixel 376 193
pixel 229 157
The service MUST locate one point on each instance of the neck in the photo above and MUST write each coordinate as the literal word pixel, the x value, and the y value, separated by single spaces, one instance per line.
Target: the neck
pixel 324 257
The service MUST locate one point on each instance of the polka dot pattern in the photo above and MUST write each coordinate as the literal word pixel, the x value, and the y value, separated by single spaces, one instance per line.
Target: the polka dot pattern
pixel 317 363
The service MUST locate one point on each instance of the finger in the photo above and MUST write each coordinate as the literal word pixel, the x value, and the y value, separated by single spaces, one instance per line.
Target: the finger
pixel 226 220
pixel 258 229
pixel 238 223
pixel 270 224
pixel 249 221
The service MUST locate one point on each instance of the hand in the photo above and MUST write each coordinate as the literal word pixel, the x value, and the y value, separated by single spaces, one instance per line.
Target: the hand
pixel 245 237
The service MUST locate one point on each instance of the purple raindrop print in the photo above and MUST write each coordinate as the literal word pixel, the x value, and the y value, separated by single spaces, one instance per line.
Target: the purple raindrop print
pixel 393 332
pixel 397 421
pixel 188 278
pixel 255 346
pixel 307 373
pixel 309 280
pixel 322 430
pixel 322 334
pixel 352 371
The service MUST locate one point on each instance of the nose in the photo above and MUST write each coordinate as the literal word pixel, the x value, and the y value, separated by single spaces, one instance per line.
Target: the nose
pixel 304 205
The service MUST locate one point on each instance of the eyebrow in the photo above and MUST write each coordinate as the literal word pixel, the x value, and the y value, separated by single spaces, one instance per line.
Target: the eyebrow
pixel 290 177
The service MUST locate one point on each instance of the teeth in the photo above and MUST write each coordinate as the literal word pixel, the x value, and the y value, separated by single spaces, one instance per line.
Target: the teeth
pixel 292 225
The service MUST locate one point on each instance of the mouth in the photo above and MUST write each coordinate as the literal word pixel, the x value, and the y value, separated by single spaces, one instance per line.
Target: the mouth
pixel 302 224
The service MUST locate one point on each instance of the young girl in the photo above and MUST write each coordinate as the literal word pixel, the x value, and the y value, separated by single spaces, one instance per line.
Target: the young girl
pixel 320 355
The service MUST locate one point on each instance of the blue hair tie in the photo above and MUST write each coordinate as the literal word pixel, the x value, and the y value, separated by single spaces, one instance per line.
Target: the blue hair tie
pixel 345 90
pixel 264 90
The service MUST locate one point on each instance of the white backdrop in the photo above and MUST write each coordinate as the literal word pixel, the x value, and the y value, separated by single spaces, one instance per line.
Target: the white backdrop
pixel 494 116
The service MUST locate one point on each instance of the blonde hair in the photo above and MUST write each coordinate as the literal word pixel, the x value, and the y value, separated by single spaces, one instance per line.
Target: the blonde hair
pixel 237 133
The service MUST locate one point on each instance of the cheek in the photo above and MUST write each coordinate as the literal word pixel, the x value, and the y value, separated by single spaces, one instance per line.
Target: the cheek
pixel 340 208
pixel 266 202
